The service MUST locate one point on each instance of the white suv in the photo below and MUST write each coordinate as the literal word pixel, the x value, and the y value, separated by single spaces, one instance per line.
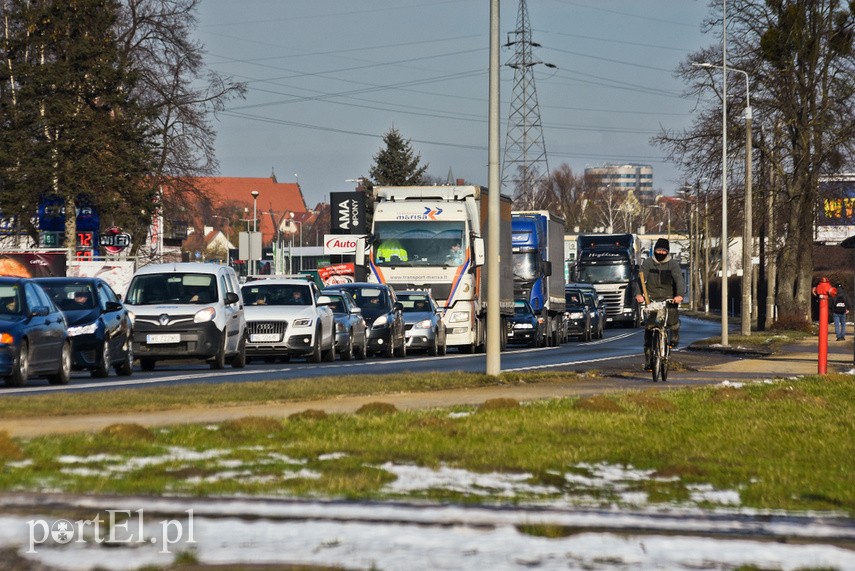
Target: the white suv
pixel 187 310
pixel 288 317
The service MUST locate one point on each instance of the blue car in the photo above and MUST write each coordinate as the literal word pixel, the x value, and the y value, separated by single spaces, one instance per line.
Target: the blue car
pixel 33 335
pixel 100 327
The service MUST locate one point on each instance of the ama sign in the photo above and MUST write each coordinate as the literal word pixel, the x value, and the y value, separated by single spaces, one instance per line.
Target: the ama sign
pixel 348 213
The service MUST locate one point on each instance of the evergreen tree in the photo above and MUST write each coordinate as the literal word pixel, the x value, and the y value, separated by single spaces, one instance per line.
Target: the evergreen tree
pixel 397 165
pixel 78 134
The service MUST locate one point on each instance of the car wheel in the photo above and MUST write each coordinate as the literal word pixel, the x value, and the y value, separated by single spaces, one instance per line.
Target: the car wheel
pixel 315 356
pixel 63 375
pixel 21 366
pixel 328 356
pixel 361 351
pixel 239 360
pixel 347 354
pixel 126 367
pixel 147 364
pixel 103 368
pixel 219 361
pixel 433 350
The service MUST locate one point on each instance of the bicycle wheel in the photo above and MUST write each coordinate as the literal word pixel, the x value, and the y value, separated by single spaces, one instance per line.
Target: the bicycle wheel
pixel 663 365
pixel 656 347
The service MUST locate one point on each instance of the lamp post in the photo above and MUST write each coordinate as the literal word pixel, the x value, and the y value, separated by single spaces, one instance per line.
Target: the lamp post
pixel 290 257
pixel 252 261
pixel 667 211
pixel 747 231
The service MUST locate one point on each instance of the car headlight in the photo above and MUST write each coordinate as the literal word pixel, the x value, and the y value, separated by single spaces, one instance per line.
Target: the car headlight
pixel 302 322
pixel 423 324
pixel 459 317
pixel 205 315
pixel 523 326
pixel 577 315
pixel 87 329
pixel 381 321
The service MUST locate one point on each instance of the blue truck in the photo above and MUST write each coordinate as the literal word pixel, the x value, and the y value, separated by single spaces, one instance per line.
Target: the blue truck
pixel 537 246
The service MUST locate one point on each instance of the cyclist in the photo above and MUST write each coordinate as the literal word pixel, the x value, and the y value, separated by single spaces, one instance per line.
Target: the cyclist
pixel 663 280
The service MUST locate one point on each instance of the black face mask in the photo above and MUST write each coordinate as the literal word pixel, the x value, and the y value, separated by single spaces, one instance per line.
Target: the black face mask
pixel 659 257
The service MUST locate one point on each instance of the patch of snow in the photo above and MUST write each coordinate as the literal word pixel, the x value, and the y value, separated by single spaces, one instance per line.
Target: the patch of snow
pixel 19 463
pixel 459 414
pixel 706 493
pixel 68 459
pixel 332 456
pixel 302 473
pixel 411 478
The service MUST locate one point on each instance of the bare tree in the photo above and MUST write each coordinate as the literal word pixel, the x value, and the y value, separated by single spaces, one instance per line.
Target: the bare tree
pixel 157 41
pixel 800 59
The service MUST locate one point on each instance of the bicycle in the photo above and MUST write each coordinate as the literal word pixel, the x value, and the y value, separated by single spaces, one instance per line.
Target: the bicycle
pixel 656 318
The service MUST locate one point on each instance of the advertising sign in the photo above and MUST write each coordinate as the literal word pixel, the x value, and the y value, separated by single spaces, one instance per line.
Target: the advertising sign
pixel 342 244
pixel 33 265
pixel 348 213
pixel 116 273
pixel 336 274
pixel 114 240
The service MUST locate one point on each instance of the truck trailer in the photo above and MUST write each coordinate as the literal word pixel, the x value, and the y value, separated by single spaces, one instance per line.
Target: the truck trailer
pixel 610 263
pixel 537 242
pixel 433 238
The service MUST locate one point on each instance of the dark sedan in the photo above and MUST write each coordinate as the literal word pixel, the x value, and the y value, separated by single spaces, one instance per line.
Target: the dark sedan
pixel 100 327
pixel 383 315
pixel 33 335
pixel 526 327
pixel 423 321
pixel 577 316
pixel 350 330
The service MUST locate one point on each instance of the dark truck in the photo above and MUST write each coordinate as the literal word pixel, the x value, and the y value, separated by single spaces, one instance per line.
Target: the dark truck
pixel 610 263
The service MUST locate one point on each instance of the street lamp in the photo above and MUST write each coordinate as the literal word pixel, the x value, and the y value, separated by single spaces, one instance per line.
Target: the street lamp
pixel 668 211
pixel 747 232
pixel 252 263
pixel 290 249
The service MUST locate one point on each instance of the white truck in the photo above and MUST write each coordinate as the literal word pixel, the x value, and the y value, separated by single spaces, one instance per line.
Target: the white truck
pixel 433 238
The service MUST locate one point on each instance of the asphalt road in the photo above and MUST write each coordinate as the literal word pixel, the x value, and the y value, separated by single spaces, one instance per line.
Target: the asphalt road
pixel 619 348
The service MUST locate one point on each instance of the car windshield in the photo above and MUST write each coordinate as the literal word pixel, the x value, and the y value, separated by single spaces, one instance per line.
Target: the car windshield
pixel 415 304
pixel 418 243
pixel 336 303
pixel 575 298
pixel 260 293
pixel 369 298
pixel 10 300
pixel 70 296
pixel 521 308
pixel 152 289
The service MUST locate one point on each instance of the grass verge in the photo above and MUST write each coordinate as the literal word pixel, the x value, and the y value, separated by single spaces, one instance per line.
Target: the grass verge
pixel 235 394
pixel 788 445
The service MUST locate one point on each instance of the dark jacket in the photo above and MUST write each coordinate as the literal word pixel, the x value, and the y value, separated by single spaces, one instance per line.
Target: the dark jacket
pixel 664 280
pixel 839 303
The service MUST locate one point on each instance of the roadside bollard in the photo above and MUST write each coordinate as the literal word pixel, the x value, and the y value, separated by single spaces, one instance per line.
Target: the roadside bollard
pixel 824 290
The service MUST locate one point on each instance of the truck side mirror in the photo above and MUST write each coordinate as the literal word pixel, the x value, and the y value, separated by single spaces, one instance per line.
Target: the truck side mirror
pixel 478 251
pixel 547 268
pixel 360 252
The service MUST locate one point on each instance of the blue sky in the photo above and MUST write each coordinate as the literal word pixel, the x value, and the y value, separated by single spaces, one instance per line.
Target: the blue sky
pixel 328 78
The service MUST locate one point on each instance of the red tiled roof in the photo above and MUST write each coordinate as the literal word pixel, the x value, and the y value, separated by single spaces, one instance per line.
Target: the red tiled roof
pixel 279 197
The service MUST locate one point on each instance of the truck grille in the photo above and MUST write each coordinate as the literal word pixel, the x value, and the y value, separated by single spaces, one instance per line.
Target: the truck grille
pixel 614 302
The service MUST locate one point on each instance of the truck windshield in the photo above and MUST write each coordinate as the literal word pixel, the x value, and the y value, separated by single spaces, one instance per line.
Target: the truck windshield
pixel 604 274
pixel 419 243
pixel 525 265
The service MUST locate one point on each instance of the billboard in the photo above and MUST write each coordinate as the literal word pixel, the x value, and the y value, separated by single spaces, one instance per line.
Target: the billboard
pixel 347 213
pixel 33 264
pixel 837 203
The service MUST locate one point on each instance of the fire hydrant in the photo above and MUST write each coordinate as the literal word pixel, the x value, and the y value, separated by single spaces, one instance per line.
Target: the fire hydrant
pixel 824 290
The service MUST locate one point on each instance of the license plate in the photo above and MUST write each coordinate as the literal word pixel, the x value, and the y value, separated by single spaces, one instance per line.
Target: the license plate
pixel 264 337
pixel 163 338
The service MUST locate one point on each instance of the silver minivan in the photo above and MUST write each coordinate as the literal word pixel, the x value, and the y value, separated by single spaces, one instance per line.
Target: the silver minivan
pixel 187 311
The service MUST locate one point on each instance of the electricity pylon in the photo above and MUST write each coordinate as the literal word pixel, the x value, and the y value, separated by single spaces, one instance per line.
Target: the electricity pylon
pixel 524 164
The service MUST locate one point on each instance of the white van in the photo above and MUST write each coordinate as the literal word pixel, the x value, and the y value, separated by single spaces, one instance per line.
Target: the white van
pixel 187 311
